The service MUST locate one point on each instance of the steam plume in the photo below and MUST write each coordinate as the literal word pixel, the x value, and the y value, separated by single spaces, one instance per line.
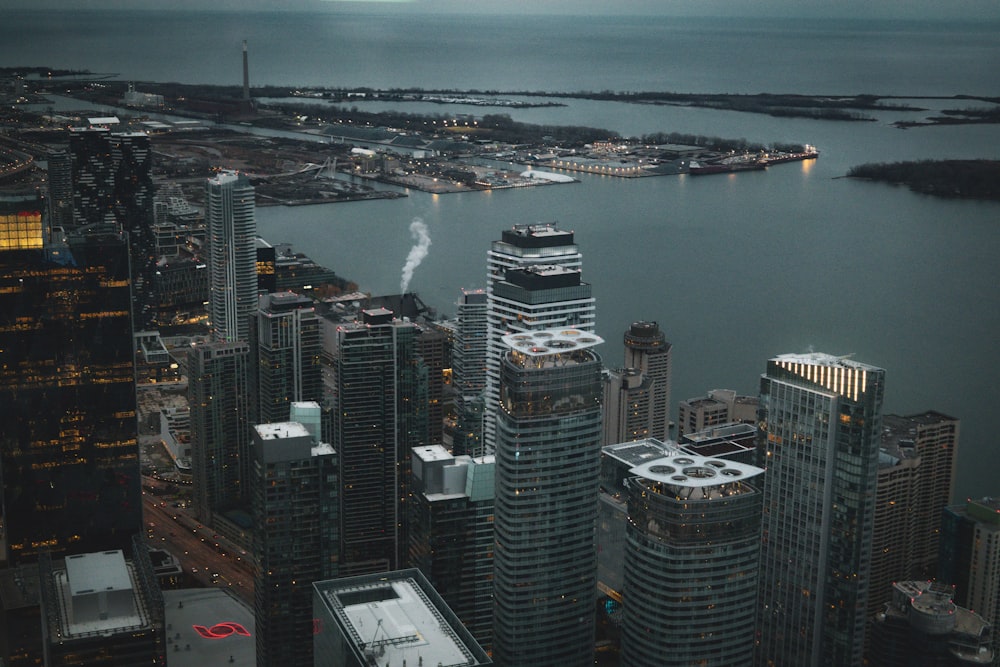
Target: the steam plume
pixel 418 230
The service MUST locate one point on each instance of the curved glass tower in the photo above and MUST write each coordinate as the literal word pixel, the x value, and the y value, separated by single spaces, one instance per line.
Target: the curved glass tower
pixel 547 476
pixel 693 547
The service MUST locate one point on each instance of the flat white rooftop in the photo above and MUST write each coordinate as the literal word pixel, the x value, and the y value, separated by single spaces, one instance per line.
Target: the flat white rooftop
pixel 394 622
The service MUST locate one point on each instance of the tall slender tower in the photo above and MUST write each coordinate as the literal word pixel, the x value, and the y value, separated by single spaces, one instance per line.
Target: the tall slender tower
pixel 820 425
pixel 285 342
pixel 380 386
pixel 970 558
pixel 548 460
pixel 232 255
pixel 69 456
pixel 533 282
pixel 111 180
pixel 647 349
pixel 915 481
pixel 294 499
pixel 220 425
pixel 469 371
pixel 246 75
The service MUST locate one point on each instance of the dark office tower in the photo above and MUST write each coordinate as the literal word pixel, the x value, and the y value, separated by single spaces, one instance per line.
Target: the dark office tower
pixel 469 371
pixel 232 253
pixel 820 424
pixel 112 183
pixel 547 292
pixel 547 474
pixel 970 558
pixel 380 414
pixel 60 178
pixel 93 176
pixel 691 557
pixel 102 609
pixel 647 350
pixel 451 533
pixel 922 625
pixel 133 208
pixel 68 448
pixel 218 393
pixel 915 481
pixel 286 341
pixel 295 537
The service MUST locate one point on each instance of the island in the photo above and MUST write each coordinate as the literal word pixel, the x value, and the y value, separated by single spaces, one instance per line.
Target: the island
pixel 971 179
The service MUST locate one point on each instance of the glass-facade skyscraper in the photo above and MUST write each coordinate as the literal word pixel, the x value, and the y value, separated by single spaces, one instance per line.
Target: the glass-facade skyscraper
pixel 380 414
pixel 548 459
pixel 691 557
pixel 68 447
pixel 285 343
pixel 232 255
pixel 820 420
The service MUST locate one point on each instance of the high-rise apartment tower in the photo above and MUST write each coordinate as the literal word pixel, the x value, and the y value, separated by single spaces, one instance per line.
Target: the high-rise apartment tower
pixel 547 478
pixel 232 255
pixel 820 425
pixel 533 282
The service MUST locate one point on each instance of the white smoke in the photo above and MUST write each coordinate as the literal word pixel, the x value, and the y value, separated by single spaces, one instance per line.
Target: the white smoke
pixel 418 230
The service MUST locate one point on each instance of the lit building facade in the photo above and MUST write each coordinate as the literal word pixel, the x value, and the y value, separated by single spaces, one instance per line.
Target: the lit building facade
pixel 820 423
pixel 547 478
pixel 916 479
pixel 218 393
pixel 294 500
pixel 691 558
pixel 555 259
pixel 232 255
pixel 68 450
pixel 648 351
pixel 380 414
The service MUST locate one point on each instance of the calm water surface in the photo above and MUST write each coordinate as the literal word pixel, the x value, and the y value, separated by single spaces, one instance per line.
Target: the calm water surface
pixel 736 268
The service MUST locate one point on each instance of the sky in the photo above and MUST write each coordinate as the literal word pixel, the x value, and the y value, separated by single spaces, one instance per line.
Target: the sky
pixel 895 9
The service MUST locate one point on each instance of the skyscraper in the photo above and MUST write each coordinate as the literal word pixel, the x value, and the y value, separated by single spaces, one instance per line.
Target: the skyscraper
pixel 68 447
pixel 112 183
pixel 547 477
pixel 232 253
pixel 546 292
pixel 295 536
pixel 693 543
pixel 469 371
pixel 451 532
pixel 970 558
pixel 218 393
pixel 285 342
pixel 647 349
pixel 915 481
pixel 820 424
pixel 380 414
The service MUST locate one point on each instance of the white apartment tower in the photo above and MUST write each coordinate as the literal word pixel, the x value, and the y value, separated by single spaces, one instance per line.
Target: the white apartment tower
pixel 232 255
pixel 533 282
